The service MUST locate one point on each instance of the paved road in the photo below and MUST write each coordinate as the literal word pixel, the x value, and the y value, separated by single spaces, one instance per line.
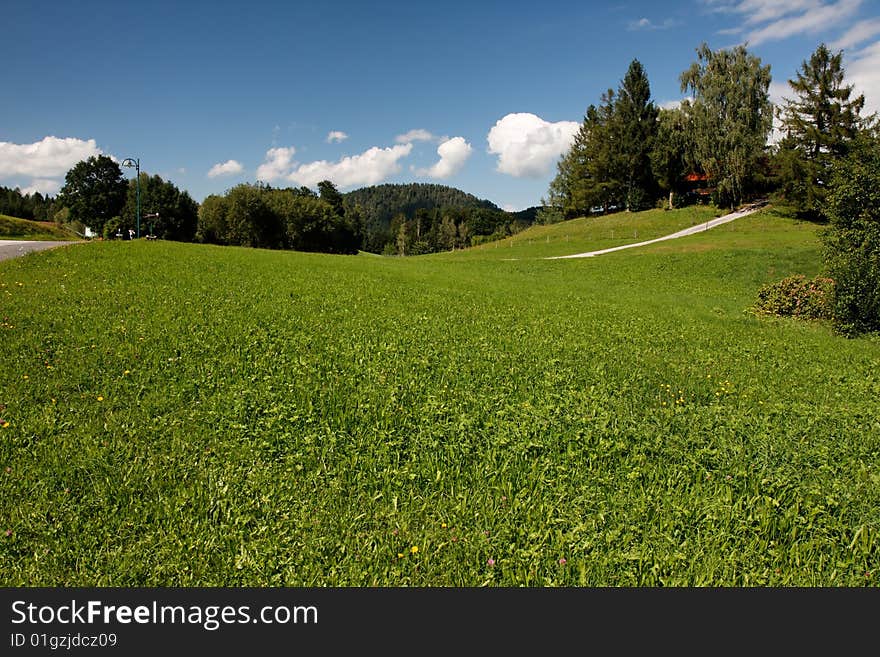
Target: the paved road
pixel 12 248
pixel 699 228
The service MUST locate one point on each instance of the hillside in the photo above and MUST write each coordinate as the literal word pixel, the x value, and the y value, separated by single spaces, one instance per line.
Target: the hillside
pixel 191 415
pixel 591 233
pixel 382 203
pixel 12 228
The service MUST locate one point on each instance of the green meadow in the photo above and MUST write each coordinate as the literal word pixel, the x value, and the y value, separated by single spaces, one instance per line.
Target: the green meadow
pixel 179 415
pixel 12 228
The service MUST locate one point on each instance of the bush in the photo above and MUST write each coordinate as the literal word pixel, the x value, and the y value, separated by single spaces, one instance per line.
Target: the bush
pixel 852 241
pixel 797 296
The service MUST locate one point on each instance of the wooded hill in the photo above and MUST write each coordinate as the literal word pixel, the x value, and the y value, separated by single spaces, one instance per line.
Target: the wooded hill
pixel 383 209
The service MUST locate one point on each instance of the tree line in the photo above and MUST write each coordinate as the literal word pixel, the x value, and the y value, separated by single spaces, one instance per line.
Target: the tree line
pixel 630 154
pixel 35 207
pixel 390 219
pixel 418 218
pixel 258 215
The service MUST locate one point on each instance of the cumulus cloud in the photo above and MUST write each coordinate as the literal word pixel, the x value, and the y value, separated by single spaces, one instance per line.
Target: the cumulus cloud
pixel 277 164
pixel 453 154
pixel 774 20
pixel 43 186
pixel 336 136
pixel 227 168
pixel 414 135
pixel 368 168
pixel 527 146
pixel 47 158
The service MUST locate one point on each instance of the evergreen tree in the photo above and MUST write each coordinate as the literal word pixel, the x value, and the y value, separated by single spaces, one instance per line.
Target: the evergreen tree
pixel 328 193
pixel 819 122
pixel 592 172
pixel 636 119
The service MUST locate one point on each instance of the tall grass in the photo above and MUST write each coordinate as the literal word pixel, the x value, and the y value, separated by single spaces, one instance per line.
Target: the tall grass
pixel 192 415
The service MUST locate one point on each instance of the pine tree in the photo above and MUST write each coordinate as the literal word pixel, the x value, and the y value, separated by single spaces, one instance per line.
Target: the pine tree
pixel 636 117
pixel 819 124
pixel 591 173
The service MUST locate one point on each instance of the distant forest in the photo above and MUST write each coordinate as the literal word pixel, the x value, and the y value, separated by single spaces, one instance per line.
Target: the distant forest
pixel 425 218
pixel 35 207
pixel 628 154
pixel 389 219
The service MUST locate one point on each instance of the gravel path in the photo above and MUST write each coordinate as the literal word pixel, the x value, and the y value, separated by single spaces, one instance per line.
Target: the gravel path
pixel 699 228
pixel 13 248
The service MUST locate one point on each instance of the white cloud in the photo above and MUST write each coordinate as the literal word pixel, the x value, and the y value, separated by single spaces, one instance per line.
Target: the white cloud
pixel 453 154
pixel 277 165
pixel 774 20
pixel 863 71
pixel 47 158
pixel 227 168
pixel 779 90
pixel 529 146
pixel 369 168
pixel 760 11
pixel 674 104
pixel 647 24
pixel 336 136
pixel 858 33
pixel 43 186
pixel 414 135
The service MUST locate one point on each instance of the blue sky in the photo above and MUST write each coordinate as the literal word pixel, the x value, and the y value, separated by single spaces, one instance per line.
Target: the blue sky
pixel 483 96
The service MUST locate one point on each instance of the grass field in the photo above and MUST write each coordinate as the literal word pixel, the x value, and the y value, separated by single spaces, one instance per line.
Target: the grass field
pixel 12 228
pixel 592 234
pixel 179 414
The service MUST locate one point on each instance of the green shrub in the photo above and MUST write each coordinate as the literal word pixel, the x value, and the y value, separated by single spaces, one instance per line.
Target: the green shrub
pixel 852 241
pixel 797 296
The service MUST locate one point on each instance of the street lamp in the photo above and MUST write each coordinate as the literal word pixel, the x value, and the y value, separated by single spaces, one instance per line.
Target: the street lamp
pixel 136 163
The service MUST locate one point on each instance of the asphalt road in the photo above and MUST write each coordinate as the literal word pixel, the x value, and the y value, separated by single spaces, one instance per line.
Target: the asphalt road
pixel 13 248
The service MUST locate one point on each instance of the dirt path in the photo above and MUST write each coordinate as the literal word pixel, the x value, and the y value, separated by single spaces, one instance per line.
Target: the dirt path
pixel 699 228
pixel 13 248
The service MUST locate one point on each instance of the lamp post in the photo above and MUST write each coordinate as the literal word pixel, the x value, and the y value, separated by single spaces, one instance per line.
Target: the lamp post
pixel 136 163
